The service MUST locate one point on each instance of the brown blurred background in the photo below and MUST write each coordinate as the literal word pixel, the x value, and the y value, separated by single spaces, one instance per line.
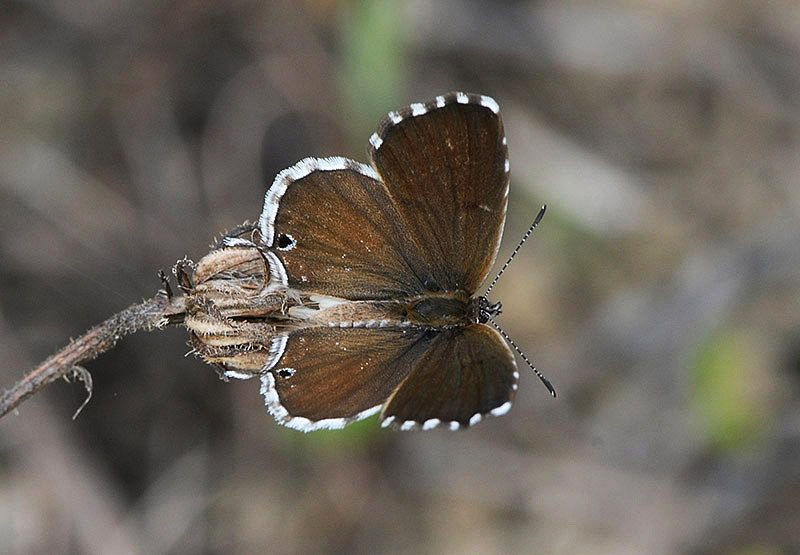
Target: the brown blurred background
pixel 661 293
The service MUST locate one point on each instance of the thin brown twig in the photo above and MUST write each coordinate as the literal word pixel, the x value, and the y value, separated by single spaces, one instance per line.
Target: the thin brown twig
pixel 155 313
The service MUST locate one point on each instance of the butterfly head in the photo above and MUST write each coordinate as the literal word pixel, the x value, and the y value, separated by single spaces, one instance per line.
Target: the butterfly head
pixel 487 310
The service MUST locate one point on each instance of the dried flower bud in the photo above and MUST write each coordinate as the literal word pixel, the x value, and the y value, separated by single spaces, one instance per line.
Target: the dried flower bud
pixel 231 312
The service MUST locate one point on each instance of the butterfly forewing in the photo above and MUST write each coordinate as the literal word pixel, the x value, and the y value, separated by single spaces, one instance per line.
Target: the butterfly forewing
pixel 446 168
pixel 464 375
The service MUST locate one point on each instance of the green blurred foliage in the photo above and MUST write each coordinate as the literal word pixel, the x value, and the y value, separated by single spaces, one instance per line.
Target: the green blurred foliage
pixel 374 65
pixel 358 437
pixel 725 398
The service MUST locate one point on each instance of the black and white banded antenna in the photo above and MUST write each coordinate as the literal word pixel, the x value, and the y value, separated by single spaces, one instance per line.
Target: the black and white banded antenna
pixel 536 221
pixel 539 375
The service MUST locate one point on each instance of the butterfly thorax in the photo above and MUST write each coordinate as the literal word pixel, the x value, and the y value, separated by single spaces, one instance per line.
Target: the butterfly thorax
pixel 438 310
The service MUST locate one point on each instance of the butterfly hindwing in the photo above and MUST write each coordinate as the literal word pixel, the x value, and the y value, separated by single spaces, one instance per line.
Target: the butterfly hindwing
pixel 327 377
pixel 336 230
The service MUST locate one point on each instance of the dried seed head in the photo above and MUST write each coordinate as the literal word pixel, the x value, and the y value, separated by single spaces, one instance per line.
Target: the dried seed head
pixel 231 312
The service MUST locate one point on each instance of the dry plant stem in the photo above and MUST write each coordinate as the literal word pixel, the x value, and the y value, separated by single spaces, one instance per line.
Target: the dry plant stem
pixel 155 313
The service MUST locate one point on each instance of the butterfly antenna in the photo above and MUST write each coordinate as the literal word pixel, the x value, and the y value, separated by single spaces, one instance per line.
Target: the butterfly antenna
pixel 541 376
pixel 513 254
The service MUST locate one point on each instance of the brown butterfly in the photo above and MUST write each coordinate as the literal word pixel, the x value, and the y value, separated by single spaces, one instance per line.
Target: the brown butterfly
pixel 356 290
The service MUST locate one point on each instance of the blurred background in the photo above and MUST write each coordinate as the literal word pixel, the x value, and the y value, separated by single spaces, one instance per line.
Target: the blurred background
pixel 661 294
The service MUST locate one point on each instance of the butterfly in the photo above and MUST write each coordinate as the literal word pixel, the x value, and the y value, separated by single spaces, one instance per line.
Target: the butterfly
pixel 356 291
